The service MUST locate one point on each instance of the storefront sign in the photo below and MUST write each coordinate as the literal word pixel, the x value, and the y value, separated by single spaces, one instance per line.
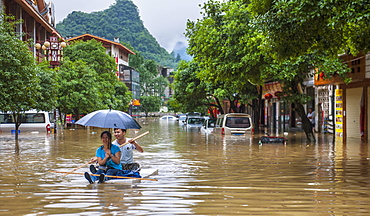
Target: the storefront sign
pixel 274 89
pixel 339 112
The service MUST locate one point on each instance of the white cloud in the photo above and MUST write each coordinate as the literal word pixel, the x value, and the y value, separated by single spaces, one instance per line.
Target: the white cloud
pixel 165 19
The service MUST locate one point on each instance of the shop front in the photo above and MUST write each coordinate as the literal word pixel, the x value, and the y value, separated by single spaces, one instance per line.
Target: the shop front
pixel 351 100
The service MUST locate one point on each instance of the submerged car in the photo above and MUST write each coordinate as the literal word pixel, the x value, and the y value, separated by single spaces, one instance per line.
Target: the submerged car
pixel 168 118
pixel 194 122
pixel 208 125
pixel 181 118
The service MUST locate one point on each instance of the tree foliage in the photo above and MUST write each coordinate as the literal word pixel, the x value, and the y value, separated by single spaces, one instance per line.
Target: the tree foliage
pixel 191 94
pixel 298 27
pixel 122 96
pixel 152 84
pixel 24 84
pixel 310 34
pixel 78 88
pixel 88 81
pixel 46 97
pixel 19 81
pixel 257 41
pixel 150 104
pixel 225 44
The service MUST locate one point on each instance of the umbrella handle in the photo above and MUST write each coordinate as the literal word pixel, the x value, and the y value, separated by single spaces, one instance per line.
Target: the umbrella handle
pixel 133 139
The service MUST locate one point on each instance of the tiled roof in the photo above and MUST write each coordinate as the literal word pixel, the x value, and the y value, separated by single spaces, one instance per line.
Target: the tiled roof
pixel 104 41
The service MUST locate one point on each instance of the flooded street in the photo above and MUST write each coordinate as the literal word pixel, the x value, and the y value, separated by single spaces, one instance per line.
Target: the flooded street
pixel 198 174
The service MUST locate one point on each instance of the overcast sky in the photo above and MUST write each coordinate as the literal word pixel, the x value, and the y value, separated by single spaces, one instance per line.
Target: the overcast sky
pixel 165 19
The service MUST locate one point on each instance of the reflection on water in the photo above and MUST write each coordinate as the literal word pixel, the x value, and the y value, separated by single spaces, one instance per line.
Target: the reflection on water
pixel 199 174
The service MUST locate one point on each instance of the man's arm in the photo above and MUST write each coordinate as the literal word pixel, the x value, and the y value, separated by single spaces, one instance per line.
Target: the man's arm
pixel 138 147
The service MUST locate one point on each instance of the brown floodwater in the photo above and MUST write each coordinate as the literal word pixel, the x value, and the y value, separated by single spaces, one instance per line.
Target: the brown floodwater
pixel 198 174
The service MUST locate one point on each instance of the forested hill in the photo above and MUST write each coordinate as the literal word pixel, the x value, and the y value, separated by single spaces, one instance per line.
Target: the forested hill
pixel 119 20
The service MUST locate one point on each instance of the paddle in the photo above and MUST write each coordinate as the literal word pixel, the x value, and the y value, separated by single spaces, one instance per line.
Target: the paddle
pixel 133 139
pixel 76 168
pixel 106 176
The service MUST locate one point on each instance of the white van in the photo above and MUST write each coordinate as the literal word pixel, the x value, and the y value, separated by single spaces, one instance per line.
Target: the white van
pixel 33 121
pixel 233 124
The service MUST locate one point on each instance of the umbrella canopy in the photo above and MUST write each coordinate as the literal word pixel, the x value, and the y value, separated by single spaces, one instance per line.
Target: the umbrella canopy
pixel 109 119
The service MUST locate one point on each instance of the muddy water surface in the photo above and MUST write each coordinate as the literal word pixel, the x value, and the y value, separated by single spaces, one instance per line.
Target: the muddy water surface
pixel 199 174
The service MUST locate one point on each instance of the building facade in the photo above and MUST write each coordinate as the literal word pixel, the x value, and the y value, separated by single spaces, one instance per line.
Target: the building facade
pixel 348 103
pixel 131 78
pixel 38 19
pixel 168 74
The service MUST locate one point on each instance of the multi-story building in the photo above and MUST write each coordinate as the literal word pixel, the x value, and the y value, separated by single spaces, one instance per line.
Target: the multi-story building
pixel 38 19
pixel 168 74
pixel 131 78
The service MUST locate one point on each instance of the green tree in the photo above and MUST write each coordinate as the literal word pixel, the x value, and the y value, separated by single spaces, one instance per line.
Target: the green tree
pixel 135 60
pixel 149 78
pixel 298 27
pixel 151 82
pixel 23 83
pixel 191 93
pixel 256 41
pixel 47 99
pixel 160 84
pixel 78 90
pixel 174 105
pixel 310 34
pixel 93 53
pixel 122 96
pixel 102 89
pixel 150 104
pixel 226 46
pixel 291 75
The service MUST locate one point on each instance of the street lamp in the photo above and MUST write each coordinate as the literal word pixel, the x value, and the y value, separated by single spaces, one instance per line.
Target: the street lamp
pixel 52 49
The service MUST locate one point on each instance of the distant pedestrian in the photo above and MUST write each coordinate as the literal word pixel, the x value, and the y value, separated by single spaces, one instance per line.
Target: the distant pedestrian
pixel 311 117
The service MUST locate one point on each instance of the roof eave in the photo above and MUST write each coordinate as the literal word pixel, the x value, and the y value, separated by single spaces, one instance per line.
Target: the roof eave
pixel 35 14
pixel 102 39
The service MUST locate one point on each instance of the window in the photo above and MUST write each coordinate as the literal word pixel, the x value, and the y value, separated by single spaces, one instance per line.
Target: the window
pixel 237 122
pixel 195 121
pixel 26 118
pixel 127 75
